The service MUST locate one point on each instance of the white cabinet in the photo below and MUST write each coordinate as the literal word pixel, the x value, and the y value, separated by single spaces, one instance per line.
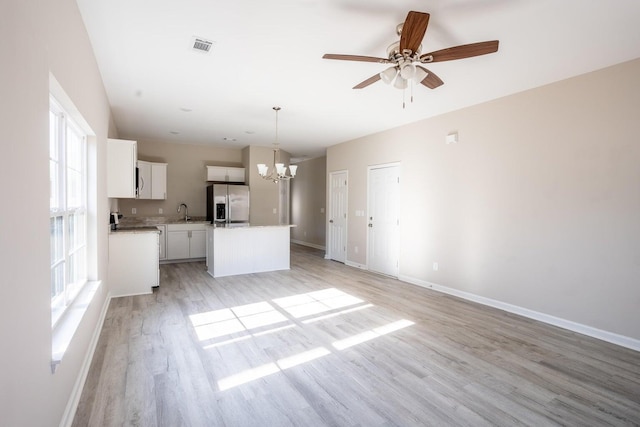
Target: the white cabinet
pixel 186 241
pixel 133 263
pixel 121 168
pixel 163 241
pixel 225 174
pixel 152 180
pixel 235 175
pixel 198 244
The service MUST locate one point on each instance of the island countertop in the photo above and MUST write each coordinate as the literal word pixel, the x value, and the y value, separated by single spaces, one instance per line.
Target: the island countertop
pixel 241 226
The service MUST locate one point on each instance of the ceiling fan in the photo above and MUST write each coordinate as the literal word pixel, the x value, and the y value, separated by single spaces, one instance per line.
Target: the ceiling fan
pixel 405 54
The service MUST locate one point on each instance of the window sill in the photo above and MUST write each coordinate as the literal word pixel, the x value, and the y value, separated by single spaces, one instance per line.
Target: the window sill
pixel 66 327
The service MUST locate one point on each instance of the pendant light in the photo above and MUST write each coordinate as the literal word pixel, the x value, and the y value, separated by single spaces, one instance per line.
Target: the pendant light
pixel 279 171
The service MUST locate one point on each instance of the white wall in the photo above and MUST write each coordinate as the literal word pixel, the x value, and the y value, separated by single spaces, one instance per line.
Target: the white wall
pixel 537 205
pixel 36 38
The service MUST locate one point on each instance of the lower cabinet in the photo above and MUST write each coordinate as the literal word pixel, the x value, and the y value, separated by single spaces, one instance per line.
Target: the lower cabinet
pixel 133 263
pixel 186 241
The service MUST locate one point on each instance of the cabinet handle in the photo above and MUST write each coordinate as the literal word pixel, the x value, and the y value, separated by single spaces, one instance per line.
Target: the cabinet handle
pixel 142 186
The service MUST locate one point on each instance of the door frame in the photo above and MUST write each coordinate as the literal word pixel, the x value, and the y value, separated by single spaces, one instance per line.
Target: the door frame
pixel 329 210
pixel 369 169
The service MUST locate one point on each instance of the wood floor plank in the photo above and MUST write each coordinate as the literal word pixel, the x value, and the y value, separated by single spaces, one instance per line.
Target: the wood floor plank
pixel 324 344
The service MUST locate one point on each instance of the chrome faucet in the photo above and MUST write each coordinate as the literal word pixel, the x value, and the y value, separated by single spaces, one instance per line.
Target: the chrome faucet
pixel 186 211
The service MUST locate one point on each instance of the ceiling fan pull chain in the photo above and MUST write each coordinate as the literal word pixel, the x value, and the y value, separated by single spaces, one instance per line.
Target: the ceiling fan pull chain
pixel 403 91
pixel 411 91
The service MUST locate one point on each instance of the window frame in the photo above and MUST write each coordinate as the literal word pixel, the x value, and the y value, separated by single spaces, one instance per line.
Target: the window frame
pixel 70 251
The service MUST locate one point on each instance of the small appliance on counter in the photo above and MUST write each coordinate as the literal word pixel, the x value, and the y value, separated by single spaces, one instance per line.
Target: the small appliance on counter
pixel 114 219
pixel 227 204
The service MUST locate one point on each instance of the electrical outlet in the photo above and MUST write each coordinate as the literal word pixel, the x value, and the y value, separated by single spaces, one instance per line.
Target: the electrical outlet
pixel 133 211
pixel 305 233
pixel 321 210
pixel 160 211
pixel 355 249
pixel 435 266
pixel 275 211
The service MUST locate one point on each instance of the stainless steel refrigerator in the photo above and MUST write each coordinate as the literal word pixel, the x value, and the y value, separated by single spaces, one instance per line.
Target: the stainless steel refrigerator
pixel 227 204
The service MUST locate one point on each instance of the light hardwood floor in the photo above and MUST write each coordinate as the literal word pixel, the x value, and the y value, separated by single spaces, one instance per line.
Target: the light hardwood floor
pixel 325 344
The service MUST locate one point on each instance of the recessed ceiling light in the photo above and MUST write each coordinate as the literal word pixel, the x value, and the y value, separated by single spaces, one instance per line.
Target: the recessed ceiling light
pixel 249 132
pixel 186 110
pixel 174 132
pixel 229 139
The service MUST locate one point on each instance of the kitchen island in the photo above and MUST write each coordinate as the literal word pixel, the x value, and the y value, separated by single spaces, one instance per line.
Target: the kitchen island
pixel 247 249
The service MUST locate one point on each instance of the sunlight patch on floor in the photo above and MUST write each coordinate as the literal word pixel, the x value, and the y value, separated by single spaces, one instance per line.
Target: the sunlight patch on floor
pixel 271 368
pixel 246 321
pixel 316 302
pixel 249 336
pixel 371 334
pixel 339 313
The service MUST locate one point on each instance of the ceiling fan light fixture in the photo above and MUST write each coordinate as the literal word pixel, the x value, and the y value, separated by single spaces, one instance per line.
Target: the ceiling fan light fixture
pixel 407 70
pixel 400 83
pixel 420 75
pixel 389 74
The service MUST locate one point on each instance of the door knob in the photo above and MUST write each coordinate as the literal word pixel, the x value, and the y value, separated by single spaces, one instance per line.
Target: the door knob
pixel 371 225
pixel 331 221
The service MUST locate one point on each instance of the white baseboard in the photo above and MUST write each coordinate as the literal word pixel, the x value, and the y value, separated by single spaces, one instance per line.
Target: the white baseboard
pixel 611 337
pixel 74 399
pixel 355 264
pixel 311 245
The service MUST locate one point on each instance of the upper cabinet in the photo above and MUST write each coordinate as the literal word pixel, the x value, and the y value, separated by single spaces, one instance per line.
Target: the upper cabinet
pixel 152 180
pixel 121 168
pixel 225 174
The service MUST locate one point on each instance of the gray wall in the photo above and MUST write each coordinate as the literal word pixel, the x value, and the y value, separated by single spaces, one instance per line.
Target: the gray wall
pixel 187 179
pixel 308 198
pixel 264 194
pixel 537 205
pixel 32 44
pixel 186 176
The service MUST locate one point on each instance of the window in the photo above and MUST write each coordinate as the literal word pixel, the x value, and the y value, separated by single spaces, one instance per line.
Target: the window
pixel 67 209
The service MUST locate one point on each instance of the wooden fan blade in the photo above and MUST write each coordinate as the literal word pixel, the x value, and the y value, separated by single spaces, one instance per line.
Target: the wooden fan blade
pixel 367 82
pixel 431 81
pixel 413 30
pixel 355 58
pixel 462 51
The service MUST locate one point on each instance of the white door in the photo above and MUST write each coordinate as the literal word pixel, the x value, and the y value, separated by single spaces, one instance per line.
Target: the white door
pixel 337 216
pixel 384 220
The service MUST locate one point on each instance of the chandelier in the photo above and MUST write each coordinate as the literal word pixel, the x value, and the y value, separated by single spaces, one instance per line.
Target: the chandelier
pixel 279 170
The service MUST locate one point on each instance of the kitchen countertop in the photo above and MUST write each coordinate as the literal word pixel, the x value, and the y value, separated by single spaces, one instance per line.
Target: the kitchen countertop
pixel 139 229
pixel 151 221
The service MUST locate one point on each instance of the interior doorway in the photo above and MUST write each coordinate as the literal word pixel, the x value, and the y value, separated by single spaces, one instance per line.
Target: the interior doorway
pixel 337 242
pixel 383 219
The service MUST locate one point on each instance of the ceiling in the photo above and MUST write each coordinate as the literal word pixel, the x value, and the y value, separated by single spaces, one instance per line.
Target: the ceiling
pixel 269 53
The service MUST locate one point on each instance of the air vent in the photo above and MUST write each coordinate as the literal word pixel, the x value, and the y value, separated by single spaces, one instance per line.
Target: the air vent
pixel 202 45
